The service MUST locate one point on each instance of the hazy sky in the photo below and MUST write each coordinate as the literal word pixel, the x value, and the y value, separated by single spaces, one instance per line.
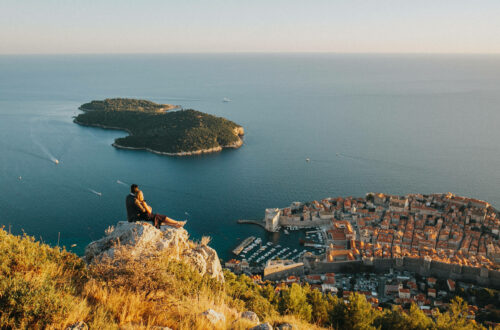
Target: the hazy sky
pixel 163 26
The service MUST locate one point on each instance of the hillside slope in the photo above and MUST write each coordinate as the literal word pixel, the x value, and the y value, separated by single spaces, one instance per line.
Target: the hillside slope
pixel 138 278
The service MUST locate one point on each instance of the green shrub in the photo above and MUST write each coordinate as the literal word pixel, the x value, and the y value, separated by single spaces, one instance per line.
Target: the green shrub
pixel 38 284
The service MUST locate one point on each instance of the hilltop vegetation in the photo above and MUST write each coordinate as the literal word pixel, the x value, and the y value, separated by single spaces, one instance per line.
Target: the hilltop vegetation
pixel 179 132
pixel 45 287
pixel 123 104
pixel 333 312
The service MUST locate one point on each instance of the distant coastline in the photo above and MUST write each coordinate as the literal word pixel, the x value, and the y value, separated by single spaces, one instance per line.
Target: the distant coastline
pixel 152 128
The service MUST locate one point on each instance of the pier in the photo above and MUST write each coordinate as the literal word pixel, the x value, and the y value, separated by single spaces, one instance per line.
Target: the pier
pixel 243 245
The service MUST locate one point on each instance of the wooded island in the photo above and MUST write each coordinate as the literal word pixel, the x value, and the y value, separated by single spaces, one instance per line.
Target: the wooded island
pixel 152 127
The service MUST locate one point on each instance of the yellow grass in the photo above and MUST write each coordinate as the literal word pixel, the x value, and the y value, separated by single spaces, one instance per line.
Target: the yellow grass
pixel 44 287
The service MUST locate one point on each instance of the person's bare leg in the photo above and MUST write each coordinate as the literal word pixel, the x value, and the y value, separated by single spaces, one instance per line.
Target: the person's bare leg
pixel 173 223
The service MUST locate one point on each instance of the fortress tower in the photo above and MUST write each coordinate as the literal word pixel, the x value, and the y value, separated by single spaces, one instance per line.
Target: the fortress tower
pixel 272 219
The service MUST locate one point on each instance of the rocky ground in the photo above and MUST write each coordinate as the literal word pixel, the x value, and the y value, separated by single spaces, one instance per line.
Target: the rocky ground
pixel 143 239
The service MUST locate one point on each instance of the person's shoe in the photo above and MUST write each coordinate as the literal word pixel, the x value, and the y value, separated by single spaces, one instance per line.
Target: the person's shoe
pixel 180 224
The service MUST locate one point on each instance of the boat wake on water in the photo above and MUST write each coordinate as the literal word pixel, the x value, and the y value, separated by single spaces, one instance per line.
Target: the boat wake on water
pixel 95 192
pixel 46 151
pixel 29 153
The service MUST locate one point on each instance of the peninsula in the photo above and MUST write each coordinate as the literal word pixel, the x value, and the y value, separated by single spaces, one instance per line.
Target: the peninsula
pixel 153 127
pixel 447 230
pixel 418 249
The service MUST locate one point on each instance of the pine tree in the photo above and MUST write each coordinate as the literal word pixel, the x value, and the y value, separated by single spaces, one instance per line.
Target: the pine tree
pixel 293 300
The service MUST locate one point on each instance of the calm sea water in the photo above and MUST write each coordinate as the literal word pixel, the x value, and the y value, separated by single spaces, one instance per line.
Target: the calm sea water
pixel 394 124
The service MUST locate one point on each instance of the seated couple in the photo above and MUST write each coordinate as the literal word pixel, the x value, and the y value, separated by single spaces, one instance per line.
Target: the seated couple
pixel 139 210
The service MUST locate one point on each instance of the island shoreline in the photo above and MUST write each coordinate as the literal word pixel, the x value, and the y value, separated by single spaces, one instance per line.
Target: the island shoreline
pixel 235 145
pixel 167 108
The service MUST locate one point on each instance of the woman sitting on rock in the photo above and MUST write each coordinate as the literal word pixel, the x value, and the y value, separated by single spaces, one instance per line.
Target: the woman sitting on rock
pixel 139 210
pixel 140 197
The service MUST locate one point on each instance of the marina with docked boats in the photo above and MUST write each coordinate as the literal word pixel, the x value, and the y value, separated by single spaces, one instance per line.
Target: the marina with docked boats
pixel 254 253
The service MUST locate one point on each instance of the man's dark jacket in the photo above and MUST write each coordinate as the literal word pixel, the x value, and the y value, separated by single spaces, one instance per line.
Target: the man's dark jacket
pixel 135 210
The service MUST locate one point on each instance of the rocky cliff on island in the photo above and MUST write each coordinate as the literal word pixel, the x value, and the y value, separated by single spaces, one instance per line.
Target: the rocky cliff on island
pixel 153 127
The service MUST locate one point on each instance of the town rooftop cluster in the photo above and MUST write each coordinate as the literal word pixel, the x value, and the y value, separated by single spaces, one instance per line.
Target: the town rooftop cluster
pixel 443 227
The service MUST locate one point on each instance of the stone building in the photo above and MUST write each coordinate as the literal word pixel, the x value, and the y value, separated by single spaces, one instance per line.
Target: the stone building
pixel 272 219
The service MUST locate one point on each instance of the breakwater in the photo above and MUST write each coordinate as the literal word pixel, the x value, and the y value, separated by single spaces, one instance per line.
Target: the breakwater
pixel 253 222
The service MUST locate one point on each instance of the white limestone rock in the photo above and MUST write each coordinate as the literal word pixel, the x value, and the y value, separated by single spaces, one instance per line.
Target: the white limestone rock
pixel 249 315
pixel 213 316
pixel 144 239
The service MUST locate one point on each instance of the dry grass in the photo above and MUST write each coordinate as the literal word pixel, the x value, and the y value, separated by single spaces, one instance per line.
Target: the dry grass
pixel 160 291
pixel 44 287
pixel 156 291
pixel 297 322
pixel 205 240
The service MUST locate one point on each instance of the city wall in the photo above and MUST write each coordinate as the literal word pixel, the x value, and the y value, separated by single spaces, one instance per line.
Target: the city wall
pixel 281 272
pixel 481 276
pixel 337 267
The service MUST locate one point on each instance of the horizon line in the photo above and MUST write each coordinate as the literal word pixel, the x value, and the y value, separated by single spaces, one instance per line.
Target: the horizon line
pixel 248 52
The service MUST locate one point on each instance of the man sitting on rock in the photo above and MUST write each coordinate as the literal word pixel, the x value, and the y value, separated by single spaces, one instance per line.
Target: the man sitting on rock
pixel 138 210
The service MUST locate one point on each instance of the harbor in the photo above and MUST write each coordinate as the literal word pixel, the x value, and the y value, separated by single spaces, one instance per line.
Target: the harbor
pixel 432 234
pixel 256 251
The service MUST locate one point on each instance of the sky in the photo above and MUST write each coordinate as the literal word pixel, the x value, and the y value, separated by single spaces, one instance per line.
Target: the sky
pixel 201 26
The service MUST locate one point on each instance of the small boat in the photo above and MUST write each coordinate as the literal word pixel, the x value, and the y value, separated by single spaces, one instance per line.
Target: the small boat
pixel 226 99
pixel 286 232
pixel 56 161
pixel 308 160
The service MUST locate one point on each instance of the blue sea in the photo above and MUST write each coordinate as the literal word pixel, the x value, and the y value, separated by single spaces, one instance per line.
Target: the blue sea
pixel 369 123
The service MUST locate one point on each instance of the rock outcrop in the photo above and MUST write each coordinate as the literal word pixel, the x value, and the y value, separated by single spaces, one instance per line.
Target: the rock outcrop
pixel 249 315
pixel 262 326
pixel 143 239
pixel 213 316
